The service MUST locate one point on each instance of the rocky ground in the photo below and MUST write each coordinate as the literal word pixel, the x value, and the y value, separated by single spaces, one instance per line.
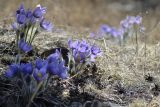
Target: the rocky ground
pixel 123 76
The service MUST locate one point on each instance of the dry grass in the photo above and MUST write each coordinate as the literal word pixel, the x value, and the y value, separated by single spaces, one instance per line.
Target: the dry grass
pixel 130 67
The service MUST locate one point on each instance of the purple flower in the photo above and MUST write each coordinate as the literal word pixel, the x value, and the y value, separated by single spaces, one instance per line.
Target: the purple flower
pixel 53 68
pixel 40 63
pixel 40 74
pixel 105 28
pixel 39 11
pixel 130 21
pixel 40 71
pixel 63 71
pixel 21 19
pixel 125 24
pixel 13 69
pixel 95 51
pixel 46 25
pixel 26 68
pixel 80 50
pixel 73 45
pixel 115 33
pixel 29 14
pixel 138 20
pixel 56 66
pixel 15 26
pixel 23 45
pixel 83 47
pixel 54 57
pixel 21 10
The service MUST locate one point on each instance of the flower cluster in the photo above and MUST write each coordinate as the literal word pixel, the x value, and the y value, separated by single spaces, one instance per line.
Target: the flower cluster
pixel 25 18
pixel 126 27
pixel 130 21
pixel 28 24
pixel 34 76
pixel 53 65
pixel 83 51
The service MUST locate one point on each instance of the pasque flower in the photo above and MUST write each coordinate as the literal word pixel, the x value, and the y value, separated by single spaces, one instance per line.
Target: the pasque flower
pixel 39 63
pixel 81 51
pixel 130 21
pixel 95 51
pixel 21 15
pixel 56 65
pixel 26 68
pixel 54 57
pixel 13 69
pixel 28 17
pixel 40 70
pixel 39 11
pixel 73 44
pixel 105 28
pixel 24 46
pixel 21 10
pixel 30 21
pixel 58 68
pixel 46 25
pixel 126 28
pixel 21 19
pixel 40 74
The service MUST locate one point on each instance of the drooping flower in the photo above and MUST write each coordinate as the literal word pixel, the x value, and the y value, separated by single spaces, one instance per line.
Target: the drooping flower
pixel 39 11
pixel 24 46
pixel 13 69
pixel 46 25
